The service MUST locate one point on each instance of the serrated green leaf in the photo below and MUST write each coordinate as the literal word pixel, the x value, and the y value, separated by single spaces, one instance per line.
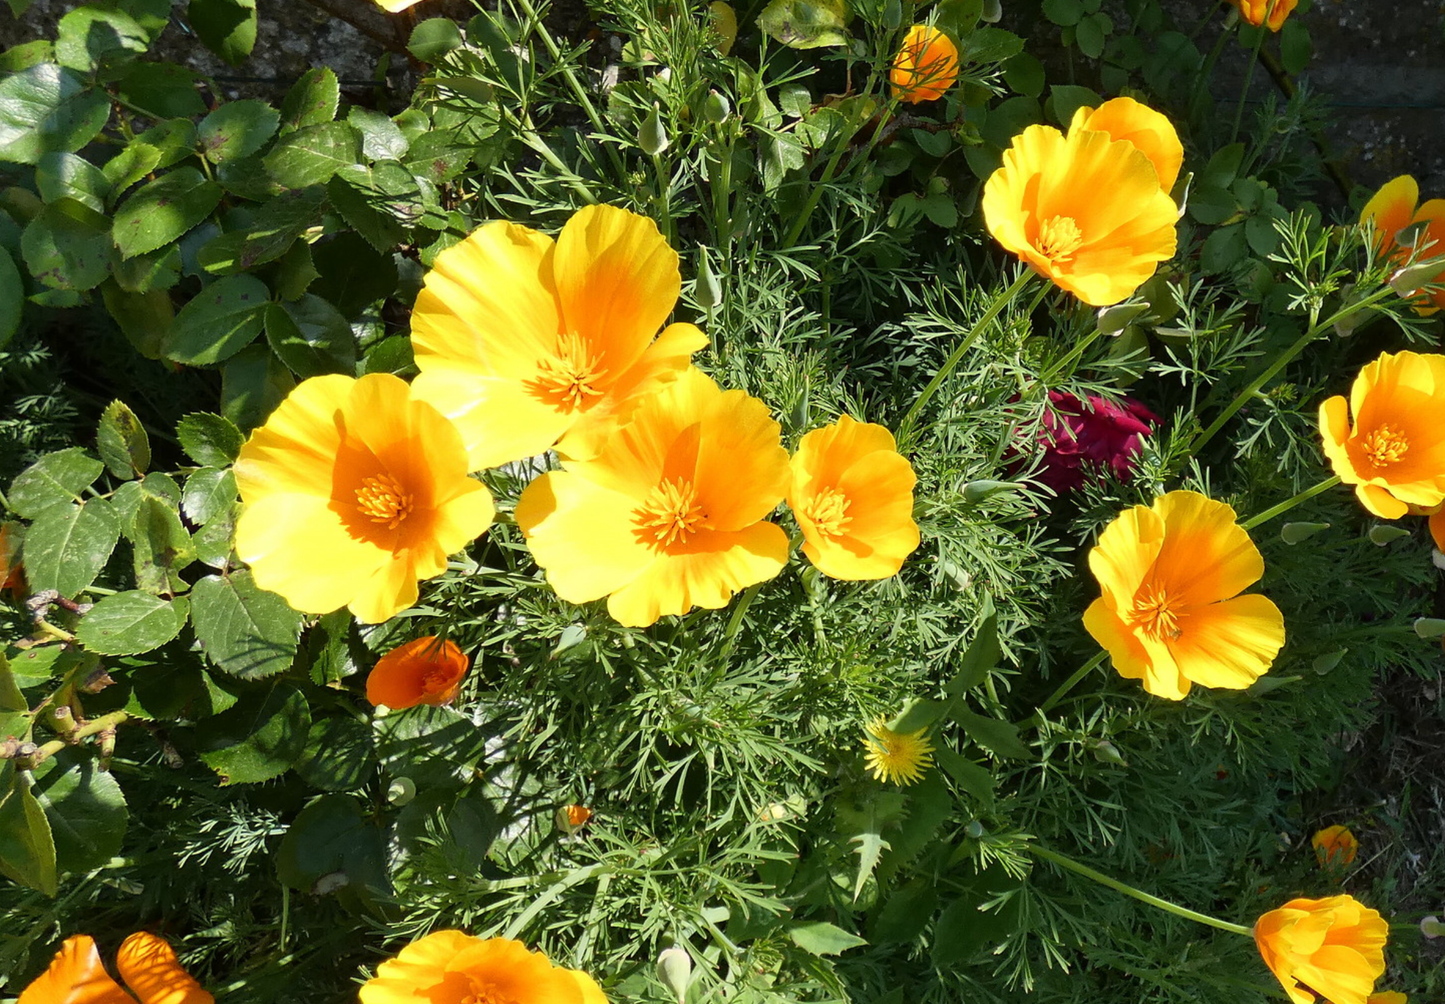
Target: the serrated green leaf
pixel 269 235
pixel 129 166
pixel 434 38
pixel 998 737
pixel 208 493
pixel 244 630
pixel 236 129
pixel 162 546
pixel 338 755
pixel 312 100
pixel 806 24
pixel 130 623
pixel 209 440
pixel 332 839
pixel 222 319
pixel 122 442
pixel 46 107
pixel 227 27
pixel 68 545
pixel 165 90
pixel 253 383
pixel 60 175
pixel 90 38
pixel 12 295
pixel 380 137
pixel 162 211
pixel 310 336
pixel 144 318
pixel 259 737
pixel 67 246
pixel 27 849
pixel 310 156
pixel 84 807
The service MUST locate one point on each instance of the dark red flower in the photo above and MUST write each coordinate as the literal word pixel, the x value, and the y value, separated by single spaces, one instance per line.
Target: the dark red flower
pixel 1081 437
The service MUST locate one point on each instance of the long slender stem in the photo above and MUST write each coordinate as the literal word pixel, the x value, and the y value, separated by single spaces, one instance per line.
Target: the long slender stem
pixel 1000 301
pixel 1139 894
pixel 1290 503
pixel 817 193
pixel 1280 363
pixel 1249 74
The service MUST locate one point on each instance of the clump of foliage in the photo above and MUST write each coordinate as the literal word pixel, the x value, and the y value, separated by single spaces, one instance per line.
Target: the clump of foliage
pixel 183 751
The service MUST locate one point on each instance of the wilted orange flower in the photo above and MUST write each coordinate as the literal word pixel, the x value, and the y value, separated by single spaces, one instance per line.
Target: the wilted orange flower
pixel 1393 209
pixel 1150 132
pixel 852 493
pixel 1335 846
pixel 1086 210
pixel 147 964
pixel 1330 948
pixel 449 967
pixel 1266 13
pixel 425 671
pixel 1394 454
pixel 354 490
pixel 670 515
pixel 528 344
pixel 1171 614
pixel 12 568
pixel 926 66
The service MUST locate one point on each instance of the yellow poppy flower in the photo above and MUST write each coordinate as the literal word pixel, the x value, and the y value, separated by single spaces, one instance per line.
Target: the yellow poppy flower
pixel 396 6
pixel 852 494
pixel 1335 846
pixel 354 490
pixel 1084 210
pixel 1335 947
pixel 1266 13
pixel 1394 208
pixel 147 964
pixel 925 67
pixel 1171 614
pixel 1150 132
pixel 897 757
pixel 449 967
pixel 526 343
pixel 669 516
pixel 1394 454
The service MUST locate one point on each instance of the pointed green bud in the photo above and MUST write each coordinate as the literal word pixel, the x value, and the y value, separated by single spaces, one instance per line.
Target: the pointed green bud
pixel 975 830
pixel 1430 627
pixel 401 790
pixel 652 137
pixel 708 291
pixel 674 969
pixel 1107 752
pixel 1381 535
pixel 992 11
pixel 1113 320
pixel 1431 927
pixel 1295 533
pixel 716 108
pixel 892 14
pixel 1324 663
pixel 977 491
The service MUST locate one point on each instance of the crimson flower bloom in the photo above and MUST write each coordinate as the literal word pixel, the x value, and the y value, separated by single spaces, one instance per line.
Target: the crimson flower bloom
pixel 1076 435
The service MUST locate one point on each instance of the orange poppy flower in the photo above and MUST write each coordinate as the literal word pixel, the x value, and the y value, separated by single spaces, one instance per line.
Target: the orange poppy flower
pixel 425 671
pixel 852 494
pixel 1085 210
pixel 1393 209
pixel 354 490
pixel 526 343
pixel 670 515
pixel 1332 948
pixel 1394 454
pixel 1150 132
pixel 1171 614
pixel 572 818
pixel 449 967
pixel 12 568
pixel 147 964
pixel 1266 13
pixel 926 65
pixel 1335 846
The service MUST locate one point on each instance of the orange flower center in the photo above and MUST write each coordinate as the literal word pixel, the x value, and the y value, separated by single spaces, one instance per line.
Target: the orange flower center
pixel 1059 237
pixel 484 992
pixel 381 500
pixel 828 511
pixel 1155 615
pixel 1385 446
pixel 570 379
pixel 438 680
pixel 670 515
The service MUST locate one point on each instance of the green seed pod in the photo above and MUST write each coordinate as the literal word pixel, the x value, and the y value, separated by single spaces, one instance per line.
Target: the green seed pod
pixel 1430 627
pixel 708 291
pixel 977 491
pixel 1382 536
pixel 1324 663
pixel 892 15
pixel 652 137
pixel 1294 533
pixel 1113 320
pixel 716 108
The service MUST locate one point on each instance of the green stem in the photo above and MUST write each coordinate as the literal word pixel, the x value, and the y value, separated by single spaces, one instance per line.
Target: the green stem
pixel 730 634
pixel 1037 718
pixel 1139 894
pixel 817 193
pixel 664 209
pixel 1290 503
pixel 1072 356
pixel 1280 363
pixel 1000 301
pixel 104 723
pixel 1249 74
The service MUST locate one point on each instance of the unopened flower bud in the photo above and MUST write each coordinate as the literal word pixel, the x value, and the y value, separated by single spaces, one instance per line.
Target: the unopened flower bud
pixel 708 291
pixel 674 969
pixel 401 791
pixel 975 829
pixel 992 11
pixel 892 15
pixel 1431 927
pixel 652 137
pixel 1114 319
pixel 1294 533
pixel 977 491
pixel 1324 663
pixel 1382 535
pixel 1429 627
pixel 1107 752
pixel 716 108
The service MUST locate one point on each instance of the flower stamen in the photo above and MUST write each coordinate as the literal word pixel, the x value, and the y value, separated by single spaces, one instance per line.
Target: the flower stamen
pixel 828 511
pixel 569 380
pixel 1385 446
pixel 1155 615
pixel 382 500
pixel 670 515
pixel 1059 238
